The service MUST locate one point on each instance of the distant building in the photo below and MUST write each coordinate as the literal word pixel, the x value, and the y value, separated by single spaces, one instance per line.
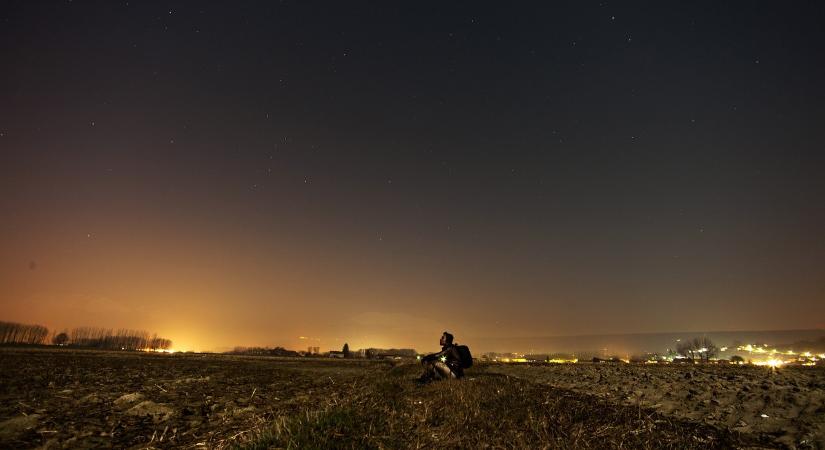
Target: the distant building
pixel 336 354
pixel 313 350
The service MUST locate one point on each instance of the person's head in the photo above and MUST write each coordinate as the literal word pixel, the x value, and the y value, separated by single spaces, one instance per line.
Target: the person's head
pixel 446 339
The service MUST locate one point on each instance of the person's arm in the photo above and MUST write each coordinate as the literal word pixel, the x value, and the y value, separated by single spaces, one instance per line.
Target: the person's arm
pixel 435 356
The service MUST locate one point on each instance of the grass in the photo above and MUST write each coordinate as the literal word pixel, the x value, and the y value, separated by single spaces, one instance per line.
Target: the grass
pixel 386 409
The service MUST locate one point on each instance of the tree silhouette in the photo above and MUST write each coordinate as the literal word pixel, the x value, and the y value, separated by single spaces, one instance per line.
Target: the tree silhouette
pixel 123 339
pixel 700 348
pixel 60 339
pixel 18 333
pixel 345 350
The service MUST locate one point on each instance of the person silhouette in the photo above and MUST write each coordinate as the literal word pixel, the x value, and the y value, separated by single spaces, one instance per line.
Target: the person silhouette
pixel 443 365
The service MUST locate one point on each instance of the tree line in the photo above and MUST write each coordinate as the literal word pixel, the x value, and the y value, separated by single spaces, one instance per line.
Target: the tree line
pixel 122 339
pixel 91 337
pixel 19 333
pixel 262 351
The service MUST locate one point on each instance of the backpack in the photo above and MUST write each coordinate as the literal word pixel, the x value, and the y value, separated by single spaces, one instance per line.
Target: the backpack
pixel 466 357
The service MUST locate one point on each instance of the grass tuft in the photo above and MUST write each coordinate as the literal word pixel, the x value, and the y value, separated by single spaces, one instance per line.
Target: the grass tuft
pixel 486 410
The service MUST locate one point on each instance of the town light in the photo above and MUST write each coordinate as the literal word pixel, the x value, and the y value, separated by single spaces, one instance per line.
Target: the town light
pixel 773 362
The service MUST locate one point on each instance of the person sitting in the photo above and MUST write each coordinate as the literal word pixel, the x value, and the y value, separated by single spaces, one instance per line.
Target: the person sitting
pixel 443 365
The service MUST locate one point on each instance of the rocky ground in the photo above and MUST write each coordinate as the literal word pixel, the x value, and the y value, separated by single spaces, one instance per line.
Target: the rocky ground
pixel 85 399
pixel 785 403
pixel 59 398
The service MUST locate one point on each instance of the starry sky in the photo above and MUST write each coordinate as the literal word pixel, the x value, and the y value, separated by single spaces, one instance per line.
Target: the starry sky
pixel 309 173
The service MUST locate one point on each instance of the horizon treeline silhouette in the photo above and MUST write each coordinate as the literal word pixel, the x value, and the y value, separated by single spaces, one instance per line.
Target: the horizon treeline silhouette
pixel 262 351
pixel 20 333
pixel 122 339
pixel 90 337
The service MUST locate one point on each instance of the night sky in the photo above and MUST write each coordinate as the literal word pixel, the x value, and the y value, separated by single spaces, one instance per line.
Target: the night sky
pixel 306 173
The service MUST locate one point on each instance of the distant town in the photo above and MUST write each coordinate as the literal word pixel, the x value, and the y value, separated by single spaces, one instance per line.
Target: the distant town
pixel 694 351
pixel 756 354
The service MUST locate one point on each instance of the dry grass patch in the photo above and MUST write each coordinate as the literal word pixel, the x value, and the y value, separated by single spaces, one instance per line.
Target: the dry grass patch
pixel 486 410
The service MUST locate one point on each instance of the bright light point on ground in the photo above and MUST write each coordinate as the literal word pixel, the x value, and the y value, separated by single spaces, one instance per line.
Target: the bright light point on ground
pixel 771 363
pixel 563 361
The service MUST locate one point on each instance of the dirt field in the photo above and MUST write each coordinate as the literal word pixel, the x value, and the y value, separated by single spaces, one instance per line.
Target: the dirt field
pixel 74 399
pixel 786 403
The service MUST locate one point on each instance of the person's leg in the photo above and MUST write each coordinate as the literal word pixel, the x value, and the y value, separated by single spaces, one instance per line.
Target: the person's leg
pixel 442 371
pixel 429 371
